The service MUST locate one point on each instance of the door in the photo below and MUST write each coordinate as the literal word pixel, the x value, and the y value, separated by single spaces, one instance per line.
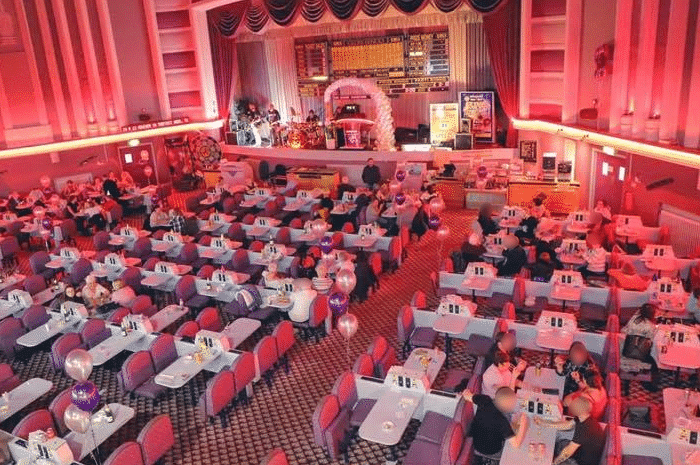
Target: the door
pixel 611 171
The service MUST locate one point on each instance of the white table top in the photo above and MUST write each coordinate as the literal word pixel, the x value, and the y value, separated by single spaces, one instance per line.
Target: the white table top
pixel 569 293
pixel 211 253
pixel 23 395
pixel 163 246
pixel 11 280
pixel 100 430
pixel 675 405
pixel 451 323
pixel 477 283
pixel 167 316
pixel 278 302
pixel 437 359
pixel 156 280
pixel 684 354
pixel 178 373
pixel 57 263
pixel 534 435
pixel 388 419
pixel 239 330
pixel 56 325
pixel 112 346
pixel 547 379
pixel 554 338
pixel 47 295
pixel 661 264
pixel 257 231
pixel 365 243
pixel 8 308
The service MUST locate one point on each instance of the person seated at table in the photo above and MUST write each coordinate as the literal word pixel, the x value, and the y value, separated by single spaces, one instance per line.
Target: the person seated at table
pixel 515 257
pixel 543 268
pixel 110 186
pixel 374 211
pixel 69 295
pixel 639 336
pixel 499 374
pixel 491 428
pixel 307 264
pixel 93 215
pixel 538 210
pixel 177 221
pixel 271 277
pixel 13 200
pixel 628 279
pixel 69 189
pixel 472 249
pixel 325 207
pixel 602 207
pixel 602 229
pixel 96 186
pixel 321 282
pixel 590 387
pixel 371 175
pixel 595 257
pixel 158 219
pixel 365 277
pixel 692 306
pixel 126 181
pixel 301 297
pixel 344 187
pixel 486 221
pixel 427 192
pixel 312 118
pixel 548 230
pixel 503 342
pixel 578 361
pixel 93 293
pixel 587 444
pixel 122 295
pixel 419 224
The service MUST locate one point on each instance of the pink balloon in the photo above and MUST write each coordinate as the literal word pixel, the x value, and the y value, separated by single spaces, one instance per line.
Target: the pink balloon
pixel 442 233
pixel 346 281
pixel 437 205
pixel 394 187
pixel 347 325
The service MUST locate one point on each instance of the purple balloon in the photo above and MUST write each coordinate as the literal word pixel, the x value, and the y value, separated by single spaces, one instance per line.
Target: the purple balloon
pixel 326 244
pixel 400 175
pixel 400 198
pixel 339 303
pixel 46 223
pixel 155 199
pixel 85 396
pixel 434 222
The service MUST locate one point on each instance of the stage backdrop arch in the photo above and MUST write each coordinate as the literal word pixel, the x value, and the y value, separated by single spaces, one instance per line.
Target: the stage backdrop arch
pixel 385 120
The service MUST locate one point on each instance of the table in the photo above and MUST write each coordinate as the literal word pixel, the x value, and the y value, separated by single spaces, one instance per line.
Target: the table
pixel 680 355
pixel 211 253
pixel 182 370
pixel 571 261
pixel 535 435
pixel 56 325
pixel 437 359
pixel 239 330
pixel 99 431
pixel 450 325
pixel 554 339
pixel 660 265
pixel 168 316
pixel 675 405
pixel 388 419
pixel 476 283
pixel 282 302
pixel 163 247
pixel 11 281
pixel 577 229
pixel 57 263
pixel 565 294
pixel 23 395
pixel 547 379
pixel 365 243
pixel 257 231
pixel 156 280
pixel 113 345
pixel 494 257
pixel 8 308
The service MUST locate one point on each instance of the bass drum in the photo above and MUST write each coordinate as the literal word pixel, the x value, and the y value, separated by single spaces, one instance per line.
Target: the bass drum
pixel 296 139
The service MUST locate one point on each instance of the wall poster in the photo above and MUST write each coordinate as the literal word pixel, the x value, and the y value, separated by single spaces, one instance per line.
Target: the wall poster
pixel 479 108
pixel 528 151
pixel 444 122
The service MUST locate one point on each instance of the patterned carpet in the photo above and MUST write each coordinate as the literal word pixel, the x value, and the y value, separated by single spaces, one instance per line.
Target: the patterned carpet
pixel 279 416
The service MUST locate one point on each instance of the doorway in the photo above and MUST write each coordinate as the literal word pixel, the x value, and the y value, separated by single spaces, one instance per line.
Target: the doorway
pixel 609 174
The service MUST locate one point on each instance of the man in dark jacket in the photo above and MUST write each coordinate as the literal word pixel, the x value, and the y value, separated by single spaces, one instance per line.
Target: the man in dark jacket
pixel 371 175
pixel 515 257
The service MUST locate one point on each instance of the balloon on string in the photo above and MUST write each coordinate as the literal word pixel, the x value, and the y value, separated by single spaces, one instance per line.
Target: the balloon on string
pixel 318 226
pixel 46 223
pixel 437 205
pixel 394 187
pixel 400 198
pixel 442 233
pixel 326 244
pixel 339 303
pixel 434 222
pixel 400 175
pixel 85 396
pixel 346 281
pixel 148 171
pixel 78 364
pixel 76 420
pixel 347 325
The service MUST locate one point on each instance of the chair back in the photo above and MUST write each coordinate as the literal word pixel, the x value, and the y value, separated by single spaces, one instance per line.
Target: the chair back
pixel 235 232
pixel 62 346
pixel 256 246
pixel 345 390
pixel 132 277
pixel 364 365
pixel 318 311
pixel 137 369
pixel 219 393
pixel 375 263
pixel 80 270
pixel 9 246
pixel 34 316
pixel 118 315
pixel 519 293
pixel 229 205
pixel 163 351
pixel 284 337
pixel 283 236
pixel 150 264
pixel 326 411
pixel 378 348
pixel 348 227
pixel 158 235
pixel 381 368
pixel 249 218
pixel 337 239
pixel 94 332
pixel 240 262
pixel 38 261
pixel 142 305
pixel 276 457
pixel 404 324
pixel 58 407
pixel 188 254
pixel 129 452
pixel 187 329
pixel 452 443
pixel 205 272
pixel 419 300
pixel 37 420
pixel 243 369
pixel 101 241
pixel 209 319
pixel 270 208
pixel 508 311
pixel 186 288
pixel 266 353
pixel 296 223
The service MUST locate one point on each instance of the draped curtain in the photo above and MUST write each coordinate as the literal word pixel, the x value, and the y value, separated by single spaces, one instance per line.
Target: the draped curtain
pixel 224 62
pixel 503 42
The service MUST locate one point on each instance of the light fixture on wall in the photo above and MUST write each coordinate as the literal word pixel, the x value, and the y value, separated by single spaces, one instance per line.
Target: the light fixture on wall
pixel 133 142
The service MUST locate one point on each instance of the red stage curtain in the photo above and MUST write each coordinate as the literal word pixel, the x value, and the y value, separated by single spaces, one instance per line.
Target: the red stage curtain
pixel 375 7
pixel 503 40
pixel 313 10
pixel 223 53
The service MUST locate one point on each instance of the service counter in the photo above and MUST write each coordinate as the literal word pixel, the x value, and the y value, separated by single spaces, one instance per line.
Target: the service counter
pixel 562 197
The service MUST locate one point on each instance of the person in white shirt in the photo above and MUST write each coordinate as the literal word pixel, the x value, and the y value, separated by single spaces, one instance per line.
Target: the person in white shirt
pixel 93 293
pixel 271 278
pixel 693 304
pixel 602 207
pixel 302 297
pixel 595 257
pixel 500 375
pixel 121 294
pixel 322 283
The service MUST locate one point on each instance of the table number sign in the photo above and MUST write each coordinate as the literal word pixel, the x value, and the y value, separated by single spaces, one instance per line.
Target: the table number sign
pixel 20 298
pixel 113 260
pixel 567 278
pixel 454 305
pixel 573 247
pixel 140 323
pixel 172 237
pixel 480 269
pixel 52 450
pixel 212 342
pixel 73 309
pixel 165 268
pixel 219 243
pixel 579 217
pixel 128 231
pixel 349 197
pixel 70 253
pixel 658 251
pixel 543 405
pixel 215 218
pixel 403 378
pixel 511 212
pixel 367 230
pixel 262 192
pixel 261 221
pixel 303 194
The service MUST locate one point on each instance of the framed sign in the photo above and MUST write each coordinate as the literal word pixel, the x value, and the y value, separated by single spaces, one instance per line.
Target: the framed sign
pixel 140 162
pixel 479 108
pixel 528 151
pixel 444 122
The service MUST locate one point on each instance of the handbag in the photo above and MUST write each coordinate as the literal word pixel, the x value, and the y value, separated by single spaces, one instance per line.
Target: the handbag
pixel 637 347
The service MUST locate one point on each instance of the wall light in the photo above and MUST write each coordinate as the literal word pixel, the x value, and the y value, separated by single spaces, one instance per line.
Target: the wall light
pixel 608 150
pixel 133 142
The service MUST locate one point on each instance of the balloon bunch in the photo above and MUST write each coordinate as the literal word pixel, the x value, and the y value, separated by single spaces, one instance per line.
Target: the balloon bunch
pixel 442 232
pixel 85 395
pixel 326 244
pixel 339 301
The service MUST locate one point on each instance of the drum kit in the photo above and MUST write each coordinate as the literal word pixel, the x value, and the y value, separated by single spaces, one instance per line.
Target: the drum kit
pixel 260 132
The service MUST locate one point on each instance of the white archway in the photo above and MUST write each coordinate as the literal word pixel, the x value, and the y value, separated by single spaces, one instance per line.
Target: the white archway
pixel 385 120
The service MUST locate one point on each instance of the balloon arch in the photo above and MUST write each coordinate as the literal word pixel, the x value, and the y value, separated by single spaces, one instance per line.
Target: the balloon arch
pixel 385 121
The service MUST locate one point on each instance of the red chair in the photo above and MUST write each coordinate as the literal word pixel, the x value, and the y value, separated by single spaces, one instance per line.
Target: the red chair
pixel 363 365
pixel 62 346
pixel 419 300
pixel 58 407
pixel 256 246
pixel 345 390
pixel 8 379
pixel 37 420
pixel 129 452
pixel 266 353
pixel 35 316
pixel 163 352
pixel 118 315
pixel 330 425
pixel 284 338
pixel 94 332
pixel 142 305
pixel 187 329
pixel 243 369
pixel 210 320
pixel 137 376
pixel 156 439
pixel 348 227
pixel 217 396
pixel 276 457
